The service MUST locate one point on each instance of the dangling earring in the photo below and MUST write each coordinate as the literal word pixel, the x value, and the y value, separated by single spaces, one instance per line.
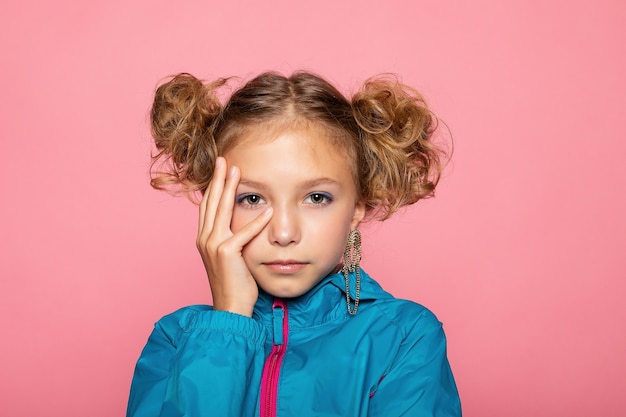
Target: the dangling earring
pixel 351 260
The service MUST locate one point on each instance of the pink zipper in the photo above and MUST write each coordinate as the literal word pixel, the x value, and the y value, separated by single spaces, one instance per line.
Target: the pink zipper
pixel 271 369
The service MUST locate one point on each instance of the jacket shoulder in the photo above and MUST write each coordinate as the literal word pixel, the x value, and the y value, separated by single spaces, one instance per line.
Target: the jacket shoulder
pixel 180 317
pixel 408 316
pixel 172 325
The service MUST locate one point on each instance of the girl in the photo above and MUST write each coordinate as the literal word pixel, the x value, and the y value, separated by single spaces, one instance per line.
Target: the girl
pixel 288 168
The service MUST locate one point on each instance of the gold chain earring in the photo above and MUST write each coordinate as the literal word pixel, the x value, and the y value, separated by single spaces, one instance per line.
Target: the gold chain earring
pixel 351 260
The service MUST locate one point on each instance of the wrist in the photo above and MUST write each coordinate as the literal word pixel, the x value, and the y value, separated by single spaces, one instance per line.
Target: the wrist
pixel 236 308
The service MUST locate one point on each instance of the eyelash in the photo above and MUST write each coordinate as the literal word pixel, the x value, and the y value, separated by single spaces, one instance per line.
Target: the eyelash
pixel 327 198
pixel 244 199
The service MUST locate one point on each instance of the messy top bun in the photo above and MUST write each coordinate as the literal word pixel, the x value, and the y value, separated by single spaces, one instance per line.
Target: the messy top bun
pixel 386 130
pixel 402 164
pixel 182 117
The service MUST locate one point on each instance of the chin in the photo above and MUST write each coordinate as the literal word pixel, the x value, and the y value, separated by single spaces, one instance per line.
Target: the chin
pixel 282 292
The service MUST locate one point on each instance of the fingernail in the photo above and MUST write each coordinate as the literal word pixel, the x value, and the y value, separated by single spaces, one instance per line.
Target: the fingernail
pixel 267 211
pixel 219 161
pixel 231 171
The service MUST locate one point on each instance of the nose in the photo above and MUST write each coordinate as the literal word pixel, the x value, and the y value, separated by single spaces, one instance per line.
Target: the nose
pixel 284 227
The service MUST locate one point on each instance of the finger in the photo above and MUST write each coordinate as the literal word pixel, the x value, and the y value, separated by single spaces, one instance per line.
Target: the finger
pixel 250 230
pixel 211 197
pixel 217 187
pixel 226 204
pixel 202 209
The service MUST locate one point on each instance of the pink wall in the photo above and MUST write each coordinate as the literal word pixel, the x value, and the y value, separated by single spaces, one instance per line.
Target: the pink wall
pixel 522 253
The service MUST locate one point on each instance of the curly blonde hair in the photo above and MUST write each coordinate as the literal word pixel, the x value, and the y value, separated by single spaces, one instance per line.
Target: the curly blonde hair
pixel 386 131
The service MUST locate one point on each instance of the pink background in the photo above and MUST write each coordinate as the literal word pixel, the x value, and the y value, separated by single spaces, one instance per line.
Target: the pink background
pixel 521 255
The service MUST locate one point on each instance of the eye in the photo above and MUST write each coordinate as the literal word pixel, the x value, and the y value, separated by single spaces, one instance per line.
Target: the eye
pixel 319 198
pixel 249 199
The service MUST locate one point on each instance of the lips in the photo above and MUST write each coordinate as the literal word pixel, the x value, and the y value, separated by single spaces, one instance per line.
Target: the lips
pixel 286 266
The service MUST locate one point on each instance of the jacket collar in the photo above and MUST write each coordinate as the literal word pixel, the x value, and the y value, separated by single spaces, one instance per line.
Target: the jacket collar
pixel 324 302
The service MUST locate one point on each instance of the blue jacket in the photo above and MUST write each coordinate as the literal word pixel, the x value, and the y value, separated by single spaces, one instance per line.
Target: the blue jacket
pixel 304 356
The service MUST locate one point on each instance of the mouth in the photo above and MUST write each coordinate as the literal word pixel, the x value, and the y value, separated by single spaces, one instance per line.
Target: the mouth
pixel 288 266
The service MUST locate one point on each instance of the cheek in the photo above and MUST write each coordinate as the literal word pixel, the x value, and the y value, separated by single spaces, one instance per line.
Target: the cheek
pixel 334 229
pixel 240 218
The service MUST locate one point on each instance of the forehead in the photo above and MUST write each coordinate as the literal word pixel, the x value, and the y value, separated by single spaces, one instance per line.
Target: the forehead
pixel 297 153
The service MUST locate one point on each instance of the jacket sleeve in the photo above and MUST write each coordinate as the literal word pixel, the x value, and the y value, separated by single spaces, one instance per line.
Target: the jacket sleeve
pixel 199 362
pixel 419 381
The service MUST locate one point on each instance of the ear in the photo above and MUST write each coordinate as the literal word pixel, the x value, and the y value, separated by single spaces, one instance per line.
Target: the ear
pixel 359 214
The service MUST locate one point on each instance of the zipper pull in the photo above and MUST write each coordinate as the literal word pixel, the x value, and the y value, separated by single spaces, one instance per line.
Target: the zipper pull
pixel 279 315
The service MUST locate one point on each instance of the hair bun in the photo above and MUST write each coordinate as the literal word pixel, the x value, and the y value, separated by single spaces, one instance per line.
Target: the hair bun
pixel 404 165
pixel 385 104
pixel 181 117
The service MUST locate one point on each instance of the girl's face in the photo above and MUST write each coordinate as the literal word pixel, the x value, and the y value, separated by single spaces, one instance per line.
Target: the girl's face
pixel 308 183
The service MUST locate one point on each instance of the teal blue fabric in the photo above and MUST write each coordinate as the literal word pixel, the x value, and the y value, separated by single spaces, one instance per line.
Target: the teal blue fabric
pixel 388 360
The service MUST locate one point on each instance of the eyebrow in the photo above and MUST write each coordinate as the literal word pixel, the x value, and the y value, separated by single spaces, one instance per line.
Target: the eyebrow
pixel 305 184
